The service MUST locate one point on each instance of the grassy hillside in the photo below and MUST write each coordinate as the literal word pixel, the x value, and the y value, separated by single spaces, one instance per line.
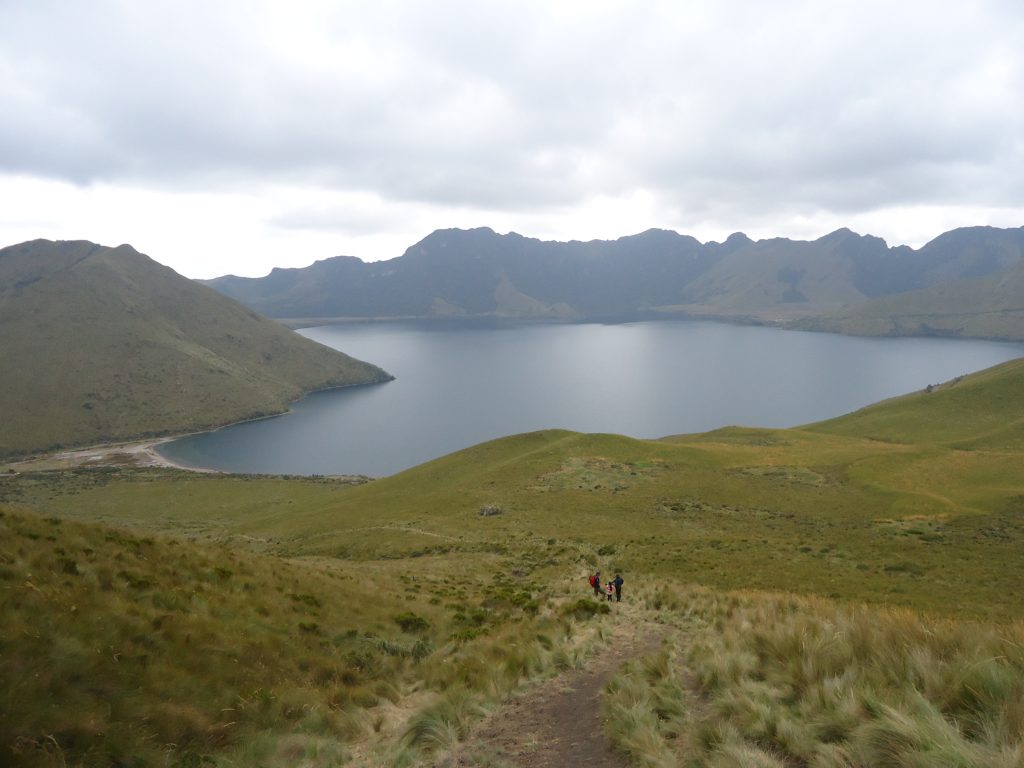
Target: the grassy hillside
pixel 886 506
pixel 123 649
pixel 103 344
pixel 983 411
pixel 990 307
pixel 279 621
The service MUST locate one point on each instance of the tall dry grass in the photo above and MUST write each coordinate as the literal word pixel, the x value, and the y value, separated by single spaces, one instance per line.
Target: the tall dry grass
pixel 775 680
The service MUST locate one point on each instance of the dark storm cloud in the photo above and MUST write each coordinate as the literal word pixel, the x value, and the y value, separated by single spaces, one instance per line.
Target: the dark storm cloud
pixel 730 106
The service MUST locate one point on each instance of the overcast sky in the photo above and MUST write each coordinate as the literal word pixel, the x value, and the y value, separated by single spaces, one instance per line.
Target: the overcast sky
pixel 232 137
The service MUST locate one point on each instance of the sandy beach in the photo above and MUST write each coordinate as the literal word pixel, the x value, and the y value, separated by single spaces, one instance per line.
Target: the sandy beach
pixel 141 453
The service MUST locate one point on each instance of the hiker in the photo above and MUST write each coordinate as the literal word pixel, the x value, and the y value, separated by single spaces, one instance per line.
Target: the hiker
pixel 591 580
pixel 609 590
pixel 617 583
pixel 596 583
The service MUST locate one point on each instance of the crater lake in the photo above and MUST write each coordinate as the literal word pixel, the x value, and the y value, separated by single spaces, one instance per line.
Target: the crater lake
pixel 457 386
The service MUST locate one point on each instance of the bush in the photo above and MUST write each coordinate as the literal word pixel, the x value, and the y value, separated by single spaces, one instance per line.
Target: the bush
pixel 585 609
pixel 411 622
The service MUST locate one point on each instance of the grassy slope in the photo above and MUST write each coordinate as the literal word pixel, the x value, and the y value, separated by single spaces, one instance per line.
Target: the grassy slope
pixel 104 344
pixel 982 411
pixel 985 307
pixel 125 649
pixel 800 510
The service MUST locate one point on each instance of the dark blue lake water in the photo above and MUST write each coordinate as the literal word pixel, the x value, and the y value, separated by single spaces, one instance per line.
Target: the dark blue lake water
pixel 456 387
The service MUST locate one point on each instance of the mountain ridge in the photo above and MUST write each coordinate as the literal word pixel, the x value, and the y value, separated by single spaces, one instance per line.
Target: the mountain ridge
pixel 454 273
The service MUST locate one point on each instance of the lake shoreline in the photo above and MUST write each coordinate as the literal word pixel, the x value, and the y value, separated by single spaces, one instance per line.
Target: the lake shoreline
pixel 144 452
pixel 459 385
pixel 135 454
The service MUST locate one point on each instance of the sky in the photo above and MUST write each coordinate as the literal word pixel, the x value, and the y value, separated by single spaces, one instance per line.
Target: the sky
pixel 230 137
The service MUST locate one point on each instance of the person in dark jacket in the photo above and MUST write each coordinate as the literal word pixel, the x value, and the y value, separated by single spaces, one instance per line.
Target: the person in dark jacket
pixel 597 584
pixel 617 583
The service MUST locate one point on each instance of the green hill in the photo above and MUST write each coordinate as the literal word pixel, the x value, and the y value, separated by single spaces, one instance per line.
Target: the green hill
pixel 984 410
pixel 102 344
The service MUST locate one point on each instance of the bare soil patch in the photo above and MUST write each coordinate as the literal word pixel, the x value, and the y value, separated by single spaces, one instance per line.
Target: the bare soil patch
pixel 142 453
pixel 559 722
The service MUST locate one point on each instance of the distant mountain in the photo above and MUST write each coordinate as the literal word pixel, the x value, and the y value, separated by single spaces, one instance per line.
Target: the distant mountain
pixel 989 307
pixel 788 274
pixel 102 344
pixel 957 302
pixel 474 273
pixel 478 273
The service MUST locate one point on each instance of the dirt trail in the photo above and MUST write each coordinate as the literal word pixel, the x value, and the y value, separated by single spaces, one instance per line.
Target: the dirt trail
pixel 558 723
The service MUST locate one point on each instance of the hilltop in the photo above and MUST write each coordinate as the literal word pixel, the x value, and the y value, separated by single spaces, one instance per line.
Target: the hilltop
pixel 478 273
pixel 103 344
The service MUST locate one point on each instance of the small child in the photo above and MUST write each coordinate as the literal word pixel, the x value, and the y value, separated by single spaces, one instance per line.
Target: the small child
pixel 609 590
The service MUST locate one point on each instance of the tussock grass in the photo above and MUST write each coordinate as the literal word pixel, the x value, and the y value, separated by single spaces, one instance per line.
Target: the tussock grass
pixel 121 646
pixel 778 680
pixel 474 679
pixel 445 722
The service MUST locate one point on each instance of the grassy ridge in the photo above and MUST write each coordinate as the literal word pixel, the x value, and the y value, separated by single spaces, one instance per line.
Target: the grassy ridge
pixel 104 344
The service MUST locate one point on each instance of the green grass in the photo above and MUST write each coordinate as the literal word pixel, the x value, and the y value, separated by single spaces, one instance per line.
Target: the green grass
pixel 983 411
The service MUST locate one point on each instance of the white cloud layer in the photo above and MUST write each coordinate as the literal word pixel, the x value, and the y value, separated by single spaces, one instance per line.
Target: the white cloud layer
pixel 236 136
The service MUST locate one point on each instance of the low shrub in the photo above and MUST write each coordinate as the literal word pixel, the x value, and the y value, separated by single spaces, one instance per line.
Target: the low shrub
pixel 411 622
pixel 586 609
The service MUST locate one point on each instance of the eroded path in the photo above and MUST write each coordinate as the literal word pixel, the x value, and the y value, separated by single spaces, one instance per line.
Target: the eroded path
pixel 558 724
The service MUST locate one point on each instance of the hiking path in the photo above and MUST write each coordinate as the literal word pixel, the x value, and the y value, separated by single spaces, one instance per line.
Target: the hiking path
pixel 559 723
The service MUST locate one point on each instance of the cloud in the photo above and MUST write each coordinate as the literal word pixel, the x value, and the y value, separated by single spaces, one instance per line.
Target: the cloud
pixel 708 112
